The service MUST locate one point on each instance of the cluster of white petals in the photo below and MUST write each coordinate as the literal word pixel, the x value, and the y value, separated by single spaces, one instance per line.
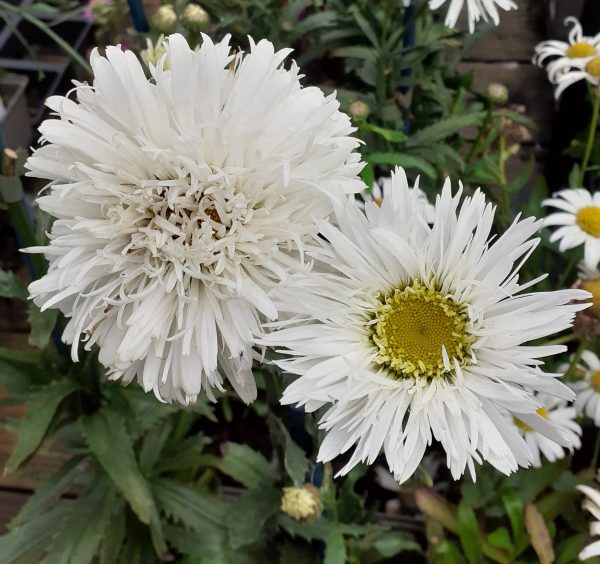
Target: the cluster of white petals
pixel 181 198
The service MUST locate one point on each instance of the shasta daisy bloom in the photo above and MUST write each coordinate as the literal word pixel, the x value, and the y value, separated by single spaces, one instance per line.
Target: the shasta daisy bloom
pixel 384 185
pixel 581 69
pixel 178 199
pixel 560 414
pixel 476 10
pixel 564 54
pixel 578 222
pixel 591 504
pixel 587 386
pixel 416 332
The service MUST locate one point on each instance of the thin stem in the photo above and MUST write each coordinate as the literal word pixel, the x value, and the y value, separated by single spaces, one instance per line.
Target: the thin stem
pixel 594 462
pixel 565 273
pixel 591 136
pixel 562 339
pixel 573 365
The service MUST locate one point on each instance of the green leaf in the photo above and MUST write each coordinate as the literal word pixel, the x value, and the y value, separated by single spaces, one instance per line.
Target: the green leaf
pixel 11 286
pixel 295 462
pixel 106 435
pixel 388 134
pixel 574 176
pixel 335 547
pixel 204 546
pixel 390 544
pixel 501 539
pixel 26 356
pixel 540 536
pixel 569 549
pixel 443 129
pixel 469 533
pixel 80 535
pixel 41 410
pixel 514 509
pixel 405 161
pixel 42 323
pixel 250 512
pixel 248 467
pixel 114 536
pixel 447 553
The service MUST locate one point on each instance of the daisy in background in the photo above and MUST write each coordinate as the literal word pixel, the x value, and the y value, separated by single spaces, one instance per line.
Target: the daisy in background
pixel 587 386
pixel 384 184
pixel 180 201
pixel 560 414
pixel 561 56
pixel 591 504
pixel 415 332
pixel 582 69
pixel 476 10
pixel 578 222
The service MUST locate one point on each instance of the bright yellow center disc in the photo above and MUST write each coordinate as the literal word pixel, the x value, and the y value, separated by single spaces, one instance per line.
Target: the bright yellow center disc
pixel 588 219
pixel 595 380
pixel 522 425
pixel 593 67
pixel 411 326
pixel 580 50
pixel 593 287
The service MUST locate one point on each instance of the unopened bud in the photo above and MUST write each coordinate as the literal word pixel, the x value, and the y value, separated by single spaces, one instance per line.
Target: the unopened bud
pixel 497 93
pixel 301 504
pixel 164 19
pixel 195 18
pixel 359 109
pixel 153 52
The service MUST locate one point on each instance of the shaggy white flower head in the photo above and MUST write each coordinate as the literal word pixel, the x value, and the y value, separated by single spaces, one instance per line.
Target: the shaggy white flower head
pixel 476 10
pixel 560 414
pixel 384 185
pixel 178 199
pixel 564 55
pixel 587 386
pixel 578 221
pixel 416 332
pixel 591 504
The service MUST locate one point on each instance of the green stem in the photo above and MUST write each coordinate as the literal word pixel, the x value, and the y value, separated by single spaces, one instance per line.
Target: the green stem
pixel 49 32
pixel 594 463
pixel 482 132
pixel 591 136
pixel 562 339
pixel 22 225
pixel 565 273
pixel 573 365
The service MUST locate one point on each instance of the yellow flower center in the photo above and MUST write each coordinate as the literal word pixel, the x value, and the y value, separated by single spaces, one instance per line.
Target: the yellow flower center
pixel 580 50
pixel 588 218
pixel 595 380
pixel 593 287
pixel 593 67
pixel 522 425
pixel 411 326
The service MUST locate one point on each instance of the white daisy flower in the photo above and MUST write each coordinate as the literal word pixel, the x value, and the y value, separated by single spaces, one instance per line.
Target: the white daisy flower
pixel 476 10
pixel 564 54
pixel 415 332
pixel 384 185
pixel 591 504
pixel 578 221
pixel 587 386
pixel 178 199
pixel 581 69
pixel 562 415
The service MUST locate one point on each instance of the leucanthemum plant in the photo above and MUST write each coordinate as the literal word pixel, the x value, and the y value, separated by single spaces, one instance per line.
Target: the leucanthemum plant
pixel 415 333
pixel 561 414
pixel 476 10
pixel 181 198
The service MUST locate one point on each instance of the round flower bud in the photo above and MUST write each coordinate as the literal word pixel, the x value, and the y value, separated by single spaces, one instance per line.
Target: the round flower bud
pixel 195 18
pixel 301 504
pixel 359 110
pixel 164 19
pixel 497 93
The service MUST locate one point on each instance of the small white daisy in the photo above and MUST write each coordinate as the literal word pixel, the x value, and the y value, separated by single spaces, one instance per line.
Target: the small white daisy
pixel 591 504
pixel 384 185
pixel 579 49
pixel 578 221
pixel 562 415
pixel 587 386
pixel 582 69
pixel 476 9
pixel 416 332
pixel 179 200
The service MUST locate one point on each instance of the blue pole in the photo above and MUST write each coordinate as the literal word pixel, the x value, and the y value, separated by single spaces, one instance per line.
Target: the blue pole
pixel 138 15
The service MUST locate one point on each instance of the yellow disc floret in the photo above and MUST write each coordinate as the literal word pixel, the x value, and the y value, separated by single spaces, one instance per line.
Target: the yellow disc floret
pixel 595 380
pixel 588 218
pixel 411 328
pixel 580 50
pixel 523 426
pixel 301 504
pixel 593 287
pixel 593 67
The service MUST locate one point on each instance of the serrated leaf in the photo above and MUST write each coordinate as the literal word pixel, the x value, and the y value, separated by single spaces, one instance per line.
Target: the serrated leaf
pixel 42 323
pixel 250 512
pixel 106 435
pixel 114 537
pixel 443 129
pixel 41 410
pixel 83 529
pixel 390 544
pixel 540 536
pixel 248 467
pixel 335 547
pixel 295 461
pixel 204 547
pixel 11 286
pixel 387 134
pixel 469 533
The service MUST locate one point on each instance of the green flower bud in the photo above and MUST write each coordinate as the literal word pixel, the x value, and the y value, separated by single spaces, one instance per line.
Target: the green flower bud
pixel 195 18
pixel 164 19
pixel 497 93
pixel 359 110
pixel 301 504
